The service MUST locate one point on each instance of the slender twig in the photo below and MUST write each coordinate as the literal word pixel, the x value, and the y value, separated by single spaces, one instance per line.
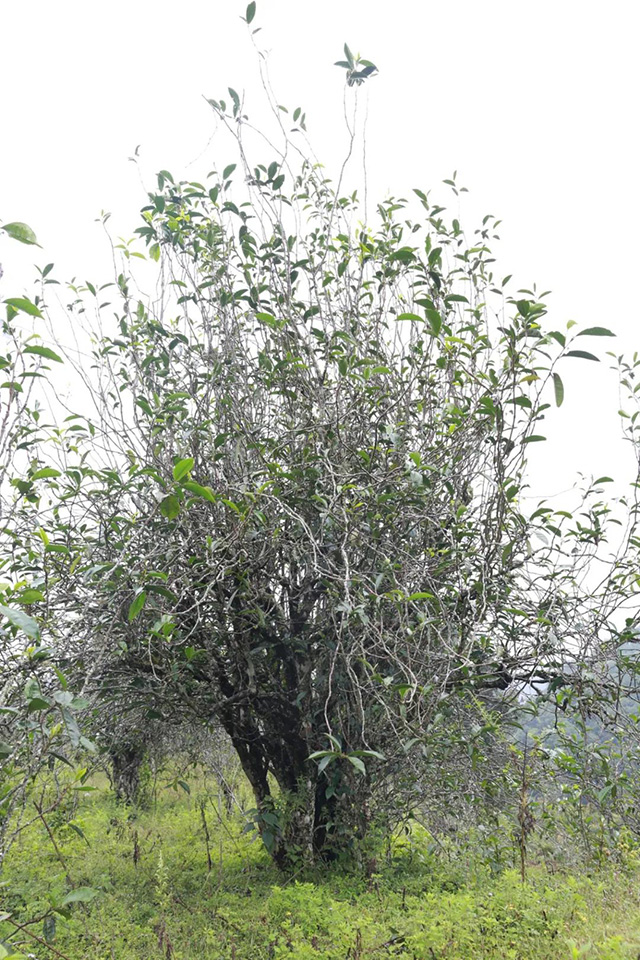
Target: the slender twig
pixel 207 837
pixel 54 844
pixel 23 928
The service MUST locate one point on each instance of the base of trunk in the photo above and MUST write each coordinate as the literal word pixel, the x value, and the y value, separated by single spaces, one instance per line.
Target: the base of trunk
pixel 126 768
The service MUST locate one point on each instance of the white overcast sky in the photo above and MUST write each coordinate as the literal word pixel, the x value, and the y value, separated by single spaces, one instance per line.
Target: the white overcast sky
pixel 535 105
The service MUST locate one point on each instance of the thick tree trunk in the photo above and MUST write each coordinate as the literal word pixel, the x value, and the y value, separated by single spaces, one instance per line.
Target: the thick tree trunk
pixel 126 762
pixel 273 733
pixel 286 822
pixel 316 827
pixel 312 818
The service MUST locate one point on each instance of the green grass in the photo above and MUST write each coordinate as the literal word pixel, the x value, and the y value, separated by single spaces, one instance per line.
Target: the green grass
pixel 158 898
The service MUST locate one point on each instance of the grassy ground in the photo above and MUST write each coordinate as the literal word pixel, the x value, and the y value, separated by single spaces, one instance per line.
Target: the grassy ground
pixel 158 897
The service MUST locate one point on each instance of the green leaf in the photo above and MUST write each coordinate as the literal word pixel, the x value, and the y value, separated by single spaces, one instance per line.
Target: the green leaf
pixel 251 12
pixel 435 321
pixel 605 792
pixel 269 840
pixel 31 688
pixel 326 760
pixel 56 548
pixel 43 352
pixel 185 786
pixel 595 332
pixel 61 757
pixel 21 232
pixel 533 439
pixel 404 254
pixel 455 298
pixel 170 507
pixel 228 171
pixel 154 251
pixel 558 387
pixel 21 303
pixel 161 591
pixel 205 492
pixel 21 620
pixel 269 319
pixel 45 473
pixel 5 750
pixel 410 316
pixel 358 764
pixel 182 468
pixel 31 596
pixel 137 605
pixel 582 354
pixel 81 895
pixel 77 829
pixel 37 704
pixel 421 595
